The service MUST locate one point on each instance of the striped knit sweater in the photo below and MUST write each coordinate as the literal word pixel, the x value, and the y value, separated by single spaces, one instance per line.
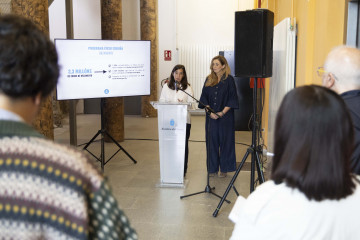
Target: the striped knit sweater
pixel 51 191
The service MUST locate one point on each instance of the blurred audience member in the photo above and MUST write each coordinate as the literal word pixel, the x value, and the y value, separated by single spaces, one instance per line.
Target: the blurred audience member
pixel 47 191
pixel 341 73
pixel 312 193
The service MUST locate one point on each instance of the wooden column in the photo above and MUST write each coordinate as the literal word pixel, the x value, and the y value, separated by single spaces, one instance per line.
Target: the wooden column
pixel 37 11
pixel 148 18
pixel 111 29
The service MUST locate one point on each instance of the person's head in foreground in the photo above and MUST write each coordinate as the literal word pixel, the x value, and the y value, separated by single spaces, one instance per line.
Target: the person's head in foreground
pixel 28 66
pixel 341 71
pixel 47 190
pixel 313 144
pixel 311 193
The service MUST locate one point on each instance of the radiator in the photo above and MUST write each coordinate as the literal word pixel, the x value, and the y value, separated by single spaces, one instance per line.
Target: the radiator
pixel 283 78
pixel 197 60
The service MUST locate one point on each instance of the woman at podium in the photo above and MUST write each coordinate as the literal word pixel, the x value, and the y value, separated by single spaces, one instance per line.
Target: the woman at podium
pixel 178 89
pixel 219 99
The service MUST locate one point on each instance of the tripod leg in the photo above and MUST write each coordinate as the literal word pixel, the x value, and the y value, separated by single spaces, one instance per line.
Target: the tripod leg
pixel 231 182
pixel 88 144
pixel 102 157
pixel 181 197
pixel 220 197
pixel 237 193
pixel 252 173
pixel 208 189
pixel 259 170
pixel 92 140
pixel 117 144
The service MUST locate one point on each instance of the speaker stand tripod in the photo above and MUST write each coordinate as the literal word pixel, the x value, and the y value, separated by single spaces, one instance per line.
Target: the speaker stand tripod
pixel 103 132
pixel 254 150
pixel 207 189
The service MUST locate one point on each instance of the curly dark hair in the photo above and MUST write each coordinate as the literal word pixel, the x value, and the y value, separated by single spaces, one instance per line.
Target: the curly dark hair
pixel 28 59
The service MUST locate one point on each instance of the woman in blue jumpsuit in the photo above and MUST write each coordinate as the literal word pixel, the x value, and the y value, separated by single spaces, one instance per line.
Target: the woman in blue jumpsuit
pixel 219 93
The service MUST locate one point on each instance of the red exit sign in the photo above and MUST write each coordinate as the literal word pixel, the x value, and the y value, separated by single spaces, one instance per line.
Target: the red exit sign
pixel 167 55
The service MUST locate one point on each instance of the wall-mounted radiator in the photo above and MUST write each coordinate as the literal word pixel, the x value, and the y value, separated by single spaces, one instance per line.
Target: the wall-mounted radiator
pixel 283 78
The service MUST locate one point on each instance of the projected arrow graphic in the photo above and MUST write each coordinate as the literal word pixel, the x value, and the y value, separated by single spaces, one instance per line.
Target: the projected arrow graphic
pixel 103 71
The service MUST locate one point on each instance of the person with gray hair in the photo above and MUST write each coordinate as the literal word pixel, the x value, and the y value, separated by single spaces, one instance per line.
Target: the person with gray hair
pixel 341 73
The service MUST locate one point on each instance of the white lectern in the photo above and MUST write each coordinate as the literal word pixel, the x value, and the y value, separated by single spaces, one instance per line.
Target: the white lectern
pixel 172 133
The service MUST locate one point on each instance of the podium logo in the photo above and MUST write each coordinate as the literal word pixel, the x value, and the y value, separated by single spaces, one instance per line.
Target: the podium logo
pixel 172 122
pixel 169 125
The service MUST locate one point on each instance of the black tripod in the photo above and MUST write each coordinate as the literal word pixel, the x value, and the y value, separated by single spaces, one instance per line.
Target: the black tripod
pixel 103 131
pixel 207 189
pixel 254 150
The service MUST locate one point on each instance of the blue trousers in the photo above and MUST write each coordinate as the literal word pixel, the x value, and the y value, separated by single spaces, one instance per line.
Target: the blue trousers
pixel 220 144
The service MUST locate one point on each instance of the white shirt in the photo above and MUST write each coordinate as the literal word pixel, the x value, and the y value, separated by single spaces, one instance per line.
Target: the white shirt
pixel 280 212
pixel 169 95
pixel 7 115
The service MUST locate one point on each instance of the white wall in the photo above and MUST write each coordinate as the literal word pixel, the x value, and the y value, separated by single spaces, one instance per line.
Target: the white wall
pixel 131 19
pixel 167 38
pixel 87 19
pixel 194 22
pixel 206 21
pixel 190 24
pixel 245 5
pixel 87 24
pixel 57 20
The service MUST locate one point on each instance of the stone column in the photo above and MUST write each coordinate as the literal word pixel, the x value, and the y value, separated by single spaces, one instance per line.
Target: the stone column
pixel 37 11
pixel 111 29
pixel 148 18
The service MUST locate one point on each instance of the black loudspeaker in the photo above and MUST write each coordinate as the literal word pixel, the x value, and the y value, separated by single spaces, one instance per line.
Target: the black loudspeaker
pixel 254 43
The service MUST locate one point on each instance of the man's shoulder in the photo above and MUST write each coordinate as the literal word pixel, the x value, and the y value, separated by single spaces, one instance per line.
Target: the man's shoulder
pixel 351 95
pixel 39 146
pixel 51 155
pixel 352 101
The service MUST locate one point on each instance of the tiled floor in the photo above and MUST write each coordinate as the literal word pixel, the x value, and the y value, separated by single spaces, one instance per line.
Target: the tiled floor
pixel 159 213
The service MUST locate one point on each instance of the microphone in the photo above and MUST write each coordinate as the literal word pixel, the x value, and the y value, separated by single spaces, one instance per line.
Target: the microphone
pixel 176 86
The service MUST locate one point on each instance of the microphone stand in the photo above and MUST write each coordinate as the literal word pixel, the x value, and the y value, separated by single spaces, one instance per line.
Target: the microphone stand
pixel 208 189
pixel 209 109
